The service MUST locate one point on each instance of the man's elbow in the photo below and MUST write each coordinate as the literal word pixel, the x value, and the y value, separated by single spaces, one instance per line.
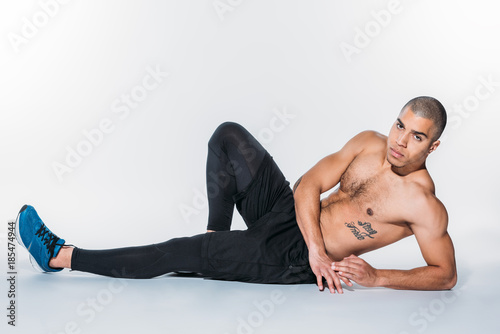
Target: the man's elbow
pixel 305 190
pixel 449 281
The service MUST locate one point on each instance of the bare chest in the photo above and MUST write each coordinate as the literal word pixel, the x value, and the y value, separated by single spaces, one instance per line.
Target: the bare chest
pixel 367 211
pixel 369 187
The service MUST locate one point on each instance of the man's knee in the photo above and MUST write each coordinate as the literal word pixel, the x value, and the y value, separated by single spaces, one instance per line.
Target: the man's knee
pixel 227 131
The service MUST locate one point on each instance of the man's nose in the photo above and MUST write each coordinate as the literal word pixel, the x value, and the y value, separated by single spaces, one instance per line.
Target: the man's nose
pixel 402 140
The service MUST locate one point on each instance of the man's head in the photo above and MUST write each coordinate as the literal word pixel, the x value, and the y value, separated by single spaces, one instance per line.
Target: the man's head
pixel 415 133
pixel 430 108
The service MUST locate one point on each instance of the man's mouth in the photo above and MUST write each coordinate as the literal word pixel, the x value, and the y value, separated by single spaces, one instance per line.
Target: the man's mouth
pixel 395 154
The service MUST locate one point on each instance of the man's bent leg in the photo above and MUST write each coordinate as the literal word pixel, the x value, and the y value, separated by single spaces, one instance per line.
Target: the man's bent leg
pixel 234 158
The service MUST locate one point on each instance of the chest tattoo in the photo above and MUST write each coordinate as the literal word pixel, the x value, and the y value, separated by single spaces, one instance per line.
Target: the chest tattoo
pixel 369 231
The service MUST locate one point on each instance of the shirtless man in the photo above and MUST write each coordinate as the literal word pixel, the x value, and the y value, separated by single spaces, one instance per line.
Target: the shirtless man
pixel 385 194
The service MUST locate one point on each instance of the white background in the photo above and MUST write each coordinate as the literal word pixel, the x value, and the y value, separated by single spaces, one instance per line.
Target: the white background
pixel 144 181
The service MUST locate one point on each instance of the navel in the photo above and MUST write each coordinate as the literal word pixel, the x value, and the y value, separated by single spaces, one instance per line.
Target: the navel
pixel 369 212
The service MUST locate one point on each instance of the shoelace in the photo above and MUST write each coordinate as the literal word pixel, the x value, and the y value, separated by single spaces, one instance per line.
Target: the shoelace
pixel 49 239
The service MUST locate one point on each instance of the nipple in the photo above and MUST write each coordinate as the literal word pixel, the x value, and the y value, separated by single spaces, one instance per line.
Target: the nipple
pixel 369 212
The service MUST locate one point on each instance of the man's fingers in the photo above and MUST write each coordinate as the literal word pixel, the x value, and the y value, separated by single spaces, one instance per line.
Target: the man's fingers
pixel 319 279
pixel 348 269
pixel 333 282
pixel 347 276
pixel 346 280
pixel 338 285
pixel 347 263
pixel 346 273
pixel 329 281
pixel 354 260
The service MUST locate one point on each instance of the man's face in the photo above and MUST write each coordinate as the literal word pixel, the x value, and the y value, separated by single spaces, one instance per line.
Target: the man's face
pixel 410 140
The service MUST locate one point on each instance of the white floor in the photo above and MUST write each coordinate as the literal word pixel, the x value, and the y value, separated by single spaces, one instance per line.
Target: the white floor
pixel 72 302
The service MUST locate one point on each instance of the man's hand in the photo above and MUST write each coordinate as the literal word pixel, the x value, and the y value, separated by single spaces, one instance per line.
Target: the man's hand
pixel 357 270
pixel 321 266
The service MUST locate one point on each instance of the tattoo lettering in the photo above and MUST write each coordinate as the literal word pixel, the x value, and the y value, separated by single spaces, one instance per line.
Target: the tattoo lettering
pixel 297 184
pixel 368 227
pixel 357 233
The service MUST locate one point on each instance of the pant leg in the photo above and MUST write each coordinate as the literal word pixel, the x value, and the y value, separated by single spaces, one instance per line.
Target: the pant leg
pixel 272 249
pixel 179 254
pixel 234 158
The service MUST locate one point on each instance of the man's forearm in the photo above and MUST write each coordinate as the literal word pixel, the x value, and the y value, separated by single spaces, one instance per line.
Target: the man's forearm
pixel 307 211
pixel 422 278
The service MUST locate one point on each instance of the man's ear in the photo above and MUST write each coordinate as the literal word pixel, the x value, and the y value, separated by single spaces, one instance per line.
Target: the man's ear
pixel 434 146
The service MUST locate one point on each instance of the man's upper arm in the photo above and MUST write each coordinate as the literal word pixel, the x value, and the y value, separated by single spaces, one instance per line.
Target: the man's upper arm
pixel 430 230
pixel 327 172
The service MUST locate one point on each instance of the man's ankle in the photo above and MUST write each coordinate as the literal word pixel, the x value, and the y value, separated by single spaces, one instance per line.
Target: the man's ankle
pixel 63 258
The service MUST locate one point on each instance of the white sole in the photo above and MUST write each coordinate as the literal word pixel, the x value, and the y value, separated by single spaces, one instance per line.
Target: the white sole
pixel 33 262
pixel 18 235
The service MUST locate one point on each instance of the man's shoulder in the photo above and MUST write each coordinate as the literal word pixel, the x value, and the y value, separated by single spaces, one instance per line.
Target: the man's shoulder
pixel 372 136
pixel 369 140
pixel 422 182
pixel 425 207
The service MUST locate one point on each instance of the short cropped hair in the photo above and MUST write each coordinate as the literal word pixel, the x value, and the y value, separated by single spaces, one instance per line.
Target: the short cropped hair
pixel 430 108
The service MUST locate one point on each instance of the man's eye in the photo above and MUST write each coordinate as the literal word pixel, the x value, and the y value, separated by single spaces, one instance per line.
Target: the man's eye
pixel 399 126
pixel 418 138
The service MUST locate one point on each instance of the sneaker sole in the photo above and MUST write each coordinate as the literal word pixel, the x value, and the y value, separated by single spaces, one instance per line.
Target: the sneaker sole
pixel 33 262
pixel 18 235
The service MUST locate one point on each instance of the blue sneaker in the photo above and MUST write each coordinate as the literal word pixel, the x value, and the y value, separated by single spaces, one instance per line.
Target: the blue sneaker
pixel 41 243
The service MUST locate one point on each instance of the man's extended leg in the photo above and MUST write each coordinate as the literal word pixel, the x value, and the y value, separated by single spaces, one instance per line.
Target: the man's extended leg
pixel 48 254
pixel 179 254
